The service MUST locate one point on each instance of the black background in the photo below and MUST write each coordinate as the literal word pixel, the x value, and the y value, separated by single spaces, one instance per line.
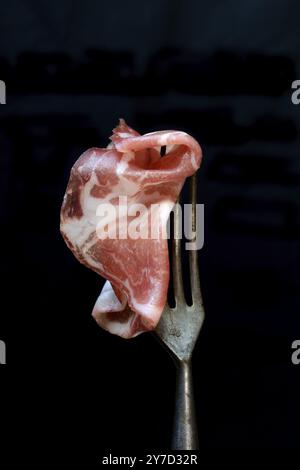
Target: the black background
pixel 221 71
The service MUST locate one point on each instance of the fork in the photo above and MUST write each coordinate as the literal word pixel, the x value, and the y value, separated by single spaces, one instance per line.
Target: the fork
pixel 178 330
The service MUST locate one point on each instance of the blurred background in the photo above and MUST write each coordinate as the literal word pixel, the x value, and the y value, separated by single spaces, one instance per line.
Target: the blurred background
pixel 222 71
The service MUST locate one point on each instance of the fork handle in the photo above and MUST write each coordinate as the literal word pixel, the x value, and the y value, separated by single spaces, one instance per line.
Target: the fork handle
pixel 185 434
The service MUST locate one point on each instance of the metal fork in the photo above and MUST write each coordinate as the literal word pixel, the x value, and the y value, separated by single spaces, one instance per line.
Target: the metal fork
pixel 178 329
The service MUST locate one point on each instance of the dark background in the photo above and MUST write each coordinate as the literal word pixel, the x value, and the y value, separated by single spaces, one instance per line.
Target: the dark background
pixel 222 71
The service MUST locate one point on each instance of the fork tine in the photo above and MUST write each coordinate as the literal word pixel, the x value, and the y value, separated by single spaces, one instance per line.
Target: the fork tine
pixel 177 270
pixel 193 254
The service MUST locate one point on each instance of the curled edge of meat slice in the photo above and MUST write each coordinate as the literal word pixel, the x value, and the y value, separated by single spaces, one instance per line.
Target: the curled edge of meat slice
pixel 115 310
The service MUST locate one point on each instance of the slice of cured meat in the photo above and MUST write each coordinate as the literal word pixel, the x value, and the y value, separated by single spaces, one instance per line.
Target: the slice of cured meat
pixel 133 189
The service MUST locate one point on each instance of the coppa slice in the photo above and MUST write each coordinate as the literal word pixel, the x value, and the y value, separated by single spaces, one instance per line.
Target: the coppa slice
pixel 130 169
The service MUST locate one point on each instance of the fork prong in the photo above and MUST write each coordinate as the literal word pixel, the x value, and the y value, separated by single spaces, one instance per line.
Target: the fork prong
pixel 177 269
pixel 193 254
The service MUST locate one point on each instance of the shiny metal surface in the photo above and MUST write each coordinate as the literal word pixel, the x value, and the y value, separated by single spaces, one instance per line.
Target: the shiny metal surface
pixel 178 329
pixel 185 434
